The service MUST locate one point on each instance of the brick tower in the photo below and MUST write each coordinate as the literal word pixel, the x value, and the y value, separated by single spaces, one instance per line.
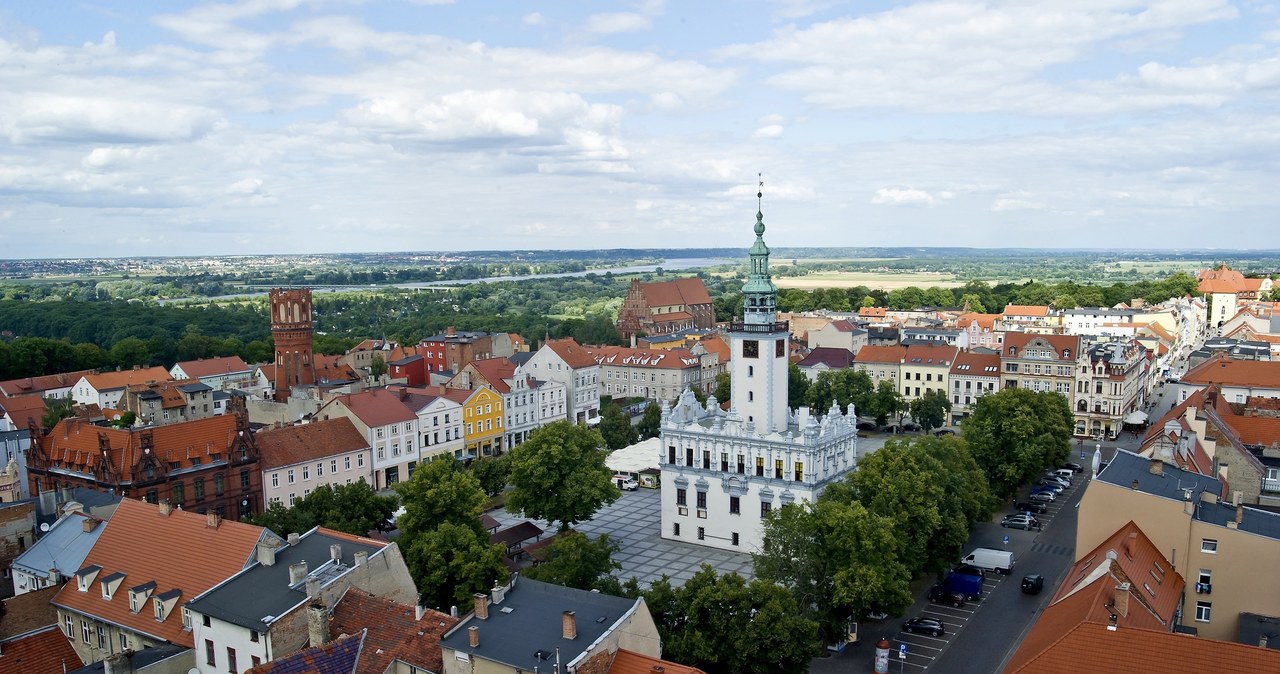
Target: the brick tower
pixel 291 328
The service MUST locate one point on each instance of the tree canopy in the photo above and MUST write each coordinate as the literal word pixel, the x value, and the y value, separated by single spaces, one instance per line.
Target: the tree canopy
pixel 354 508
pixel 559 475
pixel 1016 433
pixel 931 409
pixel 650 425
pixel 574 560
pixel 616 427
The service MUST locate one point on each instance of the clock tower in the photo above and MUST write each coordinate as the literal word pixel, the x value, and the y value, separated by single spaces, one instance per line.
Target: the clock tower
pixel 759 341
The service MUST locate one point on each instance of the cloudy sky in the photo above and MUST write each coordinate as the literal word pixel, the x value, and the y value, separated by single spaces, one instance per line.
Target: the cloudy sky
pixel 278 126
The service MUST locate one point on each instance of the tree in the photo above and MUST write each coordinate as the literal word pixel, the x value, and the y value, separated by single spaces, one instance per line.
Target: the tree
pixel 974 302
pixel 451 563
pixel 724 388
pixel 886 402
pixel 492 473
pixel 931 409
pixel 354 508
pixel 797 386
pixel 843 387
pixel 559 475
pixel 616 427
pixel 55 410
pixel 650 425
pixel 574 560
pixel 440 491
pixel 377 367
pixel 1016 433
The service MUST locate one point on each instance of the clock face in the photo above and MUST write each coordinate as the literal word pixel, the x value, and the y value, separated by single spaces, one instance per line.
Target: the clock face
pixel 750 348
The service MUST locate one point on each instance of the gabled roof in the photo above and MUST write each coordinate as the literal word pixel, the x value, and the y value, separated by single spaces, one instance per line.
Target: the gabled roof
pixel 572 353
pixel 1126 468
pixel 76 443
pixel 212 367
pixel 394 632
pixel 1090 647
pixel 47 651
pixel 37 385
pixel 631 662
pixel 1220 280
pixel 495 372
pixel 987 321
pixel 1025 310
pixel 24 409
pixel 881 354
pixel 63 547
pixel 686 291
pixel 110 381
pixel 625 356
pixel 1058 342
pixel 1221 369
pixel 340 656
pixel 872 312
pixel 832 357
pixel 151 548
pixel 306 442
pixel 26 613
pixel 972 364
pixel 377 407
pixel 714 344
pixel 930 355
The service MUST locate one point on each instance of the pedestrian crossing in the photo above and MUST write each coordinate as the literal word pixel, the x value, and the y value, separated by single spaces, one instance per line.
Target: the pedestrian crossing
pixel 1052 549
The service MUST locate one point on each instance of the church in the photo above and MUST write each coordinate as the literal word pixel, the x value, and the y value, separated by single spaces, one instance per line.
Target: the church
pixel 722 473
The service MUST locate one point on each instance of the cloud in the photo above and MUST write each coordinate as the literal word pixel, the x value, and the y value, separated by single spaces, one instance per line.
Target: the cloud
pixel 896 196
pixel 64 117
pixel 1005 204
pixel 617 22
pixel 533 19
pixel 769 131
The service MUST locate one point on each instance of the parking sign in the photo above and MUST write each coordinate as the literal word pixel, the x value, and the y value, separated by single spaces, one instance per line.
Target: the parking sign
pixel 1006 539
pixel 902 651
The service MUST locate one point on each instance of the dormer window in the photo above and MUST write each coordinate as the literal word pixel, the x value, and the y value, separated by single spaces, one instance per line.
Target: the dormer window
pixel 164 603
pixel 138 595
pixel 85 576
pixel 110 584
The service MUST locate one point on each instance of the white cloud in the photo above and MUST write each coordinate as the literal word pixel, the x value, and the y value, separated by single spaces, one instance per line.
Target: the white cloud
pixel 533 19
pixel 1005 204
pixel 770 131
pixel 897 196
pixel 617 22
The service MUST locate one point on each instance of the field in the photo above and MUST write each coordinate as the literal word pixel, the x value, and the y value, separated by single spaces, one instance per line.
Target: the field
pixel 872 280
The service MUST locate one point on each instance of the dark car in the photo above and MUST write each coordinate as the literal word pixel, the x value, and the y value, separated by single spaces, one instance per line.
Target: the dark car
pixel 1052 486
pixel 1032 583
pixel 1020 521
pixel 944 431
pixel 939 594
pixel 1073 467
pixel 1031 507
pixel 970 570
pixel 925 626
pixel 910 426
pixel 867 426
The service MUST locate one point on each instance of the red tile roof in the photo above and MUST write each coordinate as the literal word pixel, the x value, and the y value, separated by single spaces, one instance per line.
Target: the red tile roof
pixel 971 364
pixel 394 633
pixel 1088 646
pixel 1221 280
pixel 495 372
pixel 305 442
pixel 14 387
pixel 623 356
pixel 872 312
pixel 630 662
pixel 31 611
pixel 686 291
pixel 23 409
pixel 572 353
pixel 76 443
pixel 930 355
pixel 1025 310
pixel 377 407
pixel 116 380
pixel 210 367
pixel 718 346
pixel 1223 370
pixel 987 321
pixel 881 354
pixel 45 652
pixel 1058 342
pixel 173 544
pixel 832 357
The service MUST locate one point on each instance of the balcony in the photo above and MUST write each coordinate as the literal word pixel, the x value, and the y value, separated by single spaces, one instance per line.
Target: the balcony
pixel 763 328
pixel 1271 485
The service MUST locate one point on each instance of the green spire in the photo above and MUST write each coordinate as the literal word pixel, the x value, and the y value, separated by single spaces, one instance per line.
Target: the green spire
pixel 759 294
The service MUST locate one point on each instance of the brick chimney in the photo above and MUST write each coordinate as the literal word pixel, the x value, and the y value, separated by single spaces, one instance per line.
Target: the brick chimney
pixel 165 507
pixel 317 625
pixel 89 524
pixel 473 636
pixel 482 606
pixel 1122 600
pixel 118 663
pixel 1156 467
pixel 212 519
pixel 297 572
pixel 568 625
pixel 450 331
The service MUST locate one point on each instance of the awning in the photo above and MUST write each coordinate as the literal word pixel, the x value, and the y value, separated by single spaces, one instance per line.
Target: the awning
pixel 1136 417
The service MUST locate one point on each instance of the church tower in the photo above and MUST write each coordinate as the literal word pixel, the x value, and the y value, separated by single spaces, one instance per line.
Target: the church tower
pixel 291 329
pixel 758 378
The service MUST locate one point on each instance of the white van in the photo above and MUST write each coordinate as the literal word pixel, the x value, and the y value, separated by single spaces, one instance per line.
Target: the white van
pixel 625 482
pixel 1000 561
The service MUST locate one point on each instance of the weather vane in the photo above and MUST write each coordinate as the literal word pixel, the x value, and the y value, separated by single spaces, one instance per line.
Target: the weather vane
pixel 760 192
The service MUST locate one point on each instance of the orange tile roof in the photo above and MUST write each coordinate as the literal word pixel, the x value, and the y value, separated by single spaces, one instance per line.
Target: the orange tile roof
pixel 978 364
pixel 14 387
pixel 170 396
pixel 1223 370
pixel 881 354
pixel 495 372
pixel 1058 342
pixel 930 355
pixel 393 632
pixel 108 381
pixel 1158 330
pixel 716 345
pixel 687 291
pixel 672 317
pixel 630 662
pixel 1089 646
pixel 873 312
pixel 624 356
pixel 23 409
pixel 571 352
pixel 1221 280
pixel 210 367
pixel 45 652
pixel 377 407
pixel 1025 310
pixel 76 443
pixel 329 368
pixel 182 553
pixel 987 321
pixel 305 442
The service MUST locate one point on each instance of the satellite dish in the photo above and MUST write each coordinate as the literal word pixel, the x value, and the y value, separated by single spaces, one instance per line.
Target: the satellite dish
pixel 44 527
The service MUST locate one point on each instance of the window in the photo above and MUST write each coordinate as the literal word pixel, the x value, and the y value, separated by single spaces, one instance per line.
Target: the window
pixel 1209 545
pixel 71 627
pixel 360 461
pixel 206 622
pixel 289 476
pixel 346 463
pixel 1203 611
pixel 124 641
pixel 333 465
pixel 319 470
pixel 724 462
pixel 681 497
pixel 179 495
pixel 702 533
pixel 256 660
pixel 735 505
pixel 734 535
pixel 675 531
pixel 199 488
pixel 102 636
pixel 231 660
pixel 275 479
pixel 799 473
pixel 210 657
pixel 702 500
pixel 742 466
pixel 671 454
pixel 759 466
pixel 688 456
pixel 217 484
pixel 306 472
pixel 765 507
pixel 84 631
pixel 706 460
pixel 244 480
pixel 777 468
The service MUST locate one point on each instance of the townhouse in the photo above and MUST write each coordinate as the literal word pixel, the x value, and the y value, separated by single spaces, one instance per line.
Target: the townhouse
pixel 925 367
pixel 644 373
pixel 47 386
pixel 107 388
pixel 167 402
pixel 297 459
pixel 482 420
pixel 520 393
pixel 841 334
pixel 973 375
pixel 439 422
pixel 1043 363
pixel 881 363
pixel 567 362
pixel 227 372
pixel 980 330
pixel 1111 384
pixel 387 424
pixel 58 554
pixel 825 359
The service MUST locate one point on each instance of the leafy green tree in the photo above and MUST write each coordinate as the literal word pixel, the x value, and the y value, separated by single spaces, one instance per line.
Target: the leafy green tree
pixel 125 420
pixel 354 508
pixel 797 386
pixel 1016 433
pixel 906 299
pixel 616 427
pixel 734 626
pixel 574 560
pixel 559 475
pixel 843 387
pixel 975 303
pixel 440 491
pixel 283 519
pixel 451 563
pixel 885 403
pixel 130 351
pixel 931 409
pixel 724 387
pixel 1064 301
pixel 650 425
pixel 492 473
pixel 55 410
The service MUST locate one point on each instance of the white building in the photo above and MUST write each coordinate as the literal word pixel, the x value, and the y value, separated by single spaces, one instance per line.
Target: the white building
pixel 388 424
pixel 723 473
pixel 440 420
pixel 567 362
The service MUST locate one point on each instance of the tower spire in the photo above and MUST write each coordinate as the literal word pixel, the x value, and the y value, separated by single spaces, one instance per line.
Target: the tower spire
pixel 759 301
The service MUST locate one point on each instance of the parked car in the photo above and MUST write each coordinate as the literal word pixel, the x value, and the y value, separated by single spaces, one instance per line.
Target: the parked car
pixel 1032 583
pixel 1073 467
pixel 967 584
pixel 1031 507
pixel 944 431
pixel 941 594
pixel 1025 522
pixel 867 426
pixel 625 482
pixel 910 426
pixel 969 570
pixel 924 625
pixel 1056 479
pixel 1043 496
pixel 1053 486
pixel 999 561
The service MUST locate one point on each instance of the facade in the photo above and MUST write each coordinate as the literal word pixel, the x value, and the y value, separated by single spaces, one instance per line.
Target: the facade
pixel 482 419
pixel 520 395
pixel 47 386
pixel 567 362
pixel 291 331
pixel 925 367
pixel 1021 317
pixel 220 373
pixel 1111 382
pixel 300 458
pixel 387 424
pixel 169 402
pixel 881 363
pixel 17 534
pixel 644 373
pixel 122 600
pixel 439 422
pixel 841 334
pixel 1238 379
pixel 665 307
pixel 1043 363
pixel 106 389
pixel 973 375
pixel 721 474
pixel 266 610
pixel 980 330
pixel 206 465
pixel 451 350
pixel 58 554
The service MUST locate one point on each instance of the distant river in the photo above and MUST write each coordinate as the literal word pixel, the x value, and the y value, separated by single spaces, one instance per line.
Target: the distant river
pixel 672 264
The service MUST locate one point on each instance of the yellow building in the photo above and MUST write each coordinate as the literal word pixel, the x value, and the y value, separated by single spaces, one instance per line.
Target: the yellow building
pixel 482 415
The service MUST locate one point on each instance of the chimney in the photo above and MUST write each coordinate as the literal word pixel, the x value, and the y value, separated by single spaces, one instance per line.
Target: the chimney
pixel 297 572
pixel 335 553
pixel 499 593
pixel 1262 640
pixel 1134 486
pixel 362 557
pixel 165 507
pixel 294 538
pixel 482 606
pixel 212 519
pixel 1156 467
pixel 118 663
pixel 266 553
pixel 317 625
pixel 313 587
pixel 418 610
pixel 568 625
pixel 55 576
pixel 1239 514
pixel 1122 600
pixel 473 636
pixel 89 524
pixel 450 331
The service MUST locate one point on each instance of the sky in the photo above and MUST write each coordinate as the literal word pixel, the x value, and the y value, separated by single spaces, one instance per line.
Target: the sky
pixel 144 127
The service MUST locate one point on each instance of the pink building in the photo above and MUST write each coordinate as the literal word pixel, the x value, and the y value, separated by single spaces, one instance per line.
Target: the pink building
pixel 298 459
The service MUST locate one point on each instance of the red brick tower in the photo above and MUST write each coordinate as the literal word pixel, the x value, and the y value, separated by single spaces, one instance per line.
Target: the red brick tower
pixel 291 328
